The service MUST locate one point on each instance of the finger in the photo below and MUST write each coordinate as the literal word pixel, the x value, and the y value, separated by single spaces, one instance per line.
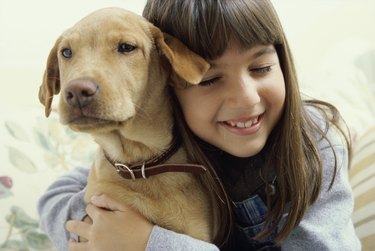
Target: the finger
pixel 79 228
pixel 94 212
pixel 78 246
pixel 104 201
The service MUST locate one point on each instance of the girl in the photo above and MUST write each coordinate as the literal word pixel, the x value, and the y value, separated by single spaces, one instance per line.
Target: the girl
pixel 283 161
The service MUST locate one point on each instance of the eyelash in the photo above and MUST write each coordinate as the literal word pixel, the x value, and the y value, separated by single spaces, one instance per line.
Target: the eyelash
pixel 260 70
pixel 209 82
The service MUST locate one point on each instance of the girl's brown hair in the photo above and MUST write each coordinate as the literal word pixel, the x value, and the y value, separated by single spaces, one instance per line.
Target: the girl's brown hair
pixel 206 26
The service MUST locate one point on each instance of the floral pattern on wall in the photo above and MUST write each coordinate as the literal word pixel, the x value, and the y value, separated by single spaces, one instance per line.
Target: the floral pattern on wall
pixel 35 151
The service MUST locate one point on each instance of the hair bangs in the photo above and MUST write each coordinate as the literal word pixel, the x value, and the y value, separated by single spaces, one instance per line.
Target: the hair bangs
pixel 252 24
pixel 210 33
pixel 214 23
pixel 207 26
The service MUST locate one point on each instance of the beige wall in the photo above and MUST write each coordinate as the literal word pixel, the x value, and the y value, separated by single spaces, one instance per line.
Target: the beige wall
pixel 317 28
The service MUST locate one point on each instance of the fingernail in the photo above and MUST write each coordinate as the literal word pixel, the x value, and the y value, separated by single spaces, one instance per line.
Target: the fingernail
pixel 94 198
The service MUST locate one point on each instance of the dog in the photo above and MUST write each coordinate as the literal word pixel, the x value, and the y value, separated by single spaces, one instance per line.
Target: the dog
pixel 112 69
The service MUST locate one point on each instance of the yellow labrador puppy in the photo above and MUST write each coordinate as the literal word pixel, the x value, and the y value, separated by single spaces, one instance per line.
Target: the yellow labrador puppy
pixel 112 69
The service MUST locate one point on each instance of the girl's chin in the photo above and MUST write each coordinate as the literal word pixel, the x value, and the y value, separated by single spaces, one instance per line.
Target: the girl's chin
pixel 242 152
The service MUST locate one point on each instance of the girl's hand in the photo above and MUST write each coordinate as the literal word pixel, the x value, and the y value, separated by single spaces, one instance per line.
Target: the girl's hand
pixel 114 227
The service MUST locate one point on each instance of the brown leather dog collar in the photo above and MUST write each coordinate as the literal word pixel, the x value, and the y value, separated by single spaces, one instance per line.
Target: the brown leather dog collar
pixel 156 165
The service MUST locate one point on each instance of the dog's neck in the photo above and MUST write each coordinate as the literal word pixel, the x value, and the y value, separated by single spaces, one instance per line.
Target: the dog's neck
pixel 138 140
pixel 148 133
pixel 160 159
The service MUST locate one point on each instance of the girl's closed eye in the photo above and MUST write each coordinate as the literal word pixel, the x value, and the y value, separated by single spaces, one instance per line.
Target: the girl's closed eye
pixel 261 70
pixel 209 82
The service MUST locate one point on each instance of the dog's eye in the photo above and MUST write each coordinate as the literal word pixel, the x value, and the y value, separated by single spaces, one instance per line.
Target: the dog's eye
pixel 125 48
pixel 67 53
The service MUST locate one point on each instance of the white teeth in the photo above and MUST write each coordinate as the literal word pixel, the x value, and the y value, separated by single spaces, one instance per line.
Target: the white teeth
pixel 241 125
pixel 246 124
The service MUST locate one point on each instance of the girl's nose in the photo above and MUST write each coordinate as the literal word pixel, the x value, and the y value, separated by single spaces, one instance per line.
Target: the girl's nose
pixel 243 92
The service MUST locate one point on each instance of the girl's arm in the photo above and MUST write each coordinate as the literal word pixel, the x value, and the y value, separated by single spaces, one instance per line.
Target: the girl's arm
pixel 117 227
pixel 63 201
pixel 327 224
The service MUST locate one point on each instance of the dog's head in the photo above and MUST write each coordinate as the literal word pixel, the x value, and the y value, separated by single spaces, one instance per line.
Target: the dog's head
pixel 110 64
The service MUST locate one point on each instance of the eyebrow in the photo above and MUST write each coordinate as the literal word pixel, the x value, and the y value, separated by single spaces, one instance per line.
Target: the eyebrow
pixel 263 51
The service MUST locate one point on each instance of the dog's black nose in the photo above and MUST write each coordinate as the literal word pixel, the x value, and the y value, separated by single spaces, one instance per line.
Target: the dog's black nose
pixel 80 92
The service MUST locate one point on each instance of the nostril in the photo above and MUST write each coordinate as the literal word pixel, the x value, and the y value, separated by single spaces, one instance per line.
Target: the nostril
pixel 69 95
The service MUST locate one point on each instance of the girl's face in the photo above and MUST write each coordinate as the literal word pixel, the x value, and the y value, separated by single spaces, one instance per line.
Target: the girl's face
pixel 239 100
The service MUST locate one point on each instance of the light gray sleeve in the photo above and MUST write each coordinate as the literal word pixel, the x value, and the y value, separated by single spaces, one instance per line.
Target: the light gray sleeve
pixel 327 224
pixel 162 239
pixel 63 201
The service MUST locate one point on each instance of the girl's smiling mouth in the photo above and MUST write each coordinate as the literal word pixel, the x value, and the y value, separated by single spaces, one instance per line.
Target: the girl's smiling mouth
pixel 242 126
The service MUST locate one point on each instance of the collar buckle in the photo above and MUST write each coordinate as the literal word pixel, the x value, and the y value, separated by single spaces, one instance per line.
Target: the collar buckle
pixel 124 168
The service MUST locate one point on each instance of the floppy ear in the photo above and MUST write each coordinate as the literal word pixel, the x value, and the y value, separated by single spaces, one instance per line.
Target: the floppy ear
pixel 188 67
pixel 51 80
